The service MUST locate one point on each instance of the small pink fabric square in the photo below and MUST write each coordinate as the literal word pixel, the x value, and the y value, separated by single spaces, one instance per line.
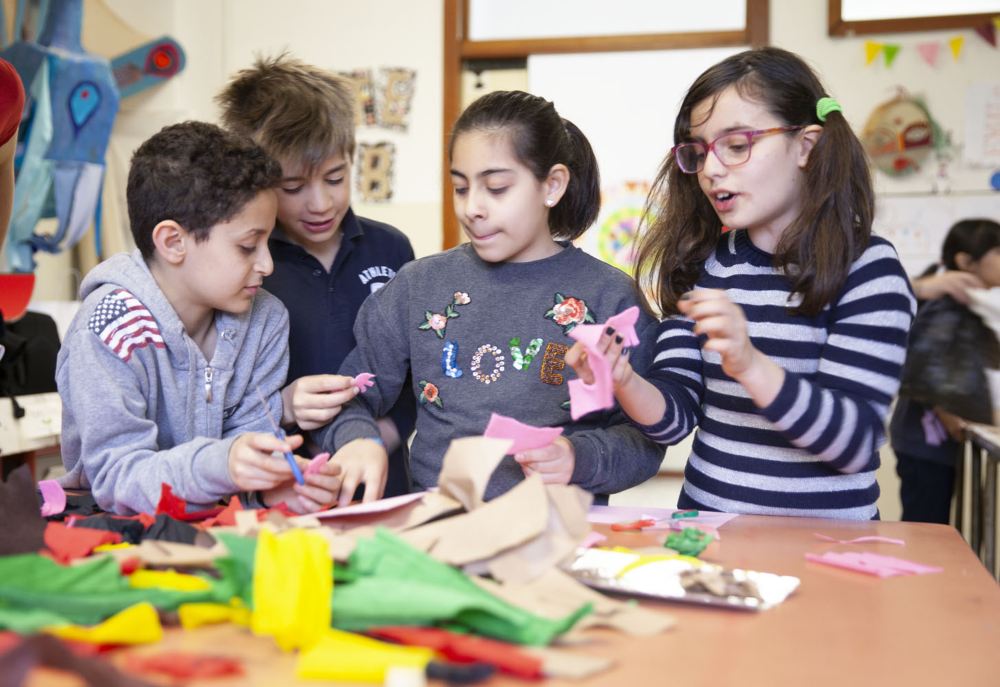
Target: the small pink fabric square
pixel 364 381
pixel 586 398
pixel 872 563
pixel 525 437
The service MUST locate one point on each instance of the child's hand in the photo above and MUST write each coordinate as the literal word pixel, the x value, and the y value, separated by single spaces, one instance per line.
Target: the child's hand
pixel 311 402
pixel 725 325
pixel 554 463
pixel 253 465
pixel 611 344
pixel 318 493
pixel 361 461
pixel 953 424
pixel 954 283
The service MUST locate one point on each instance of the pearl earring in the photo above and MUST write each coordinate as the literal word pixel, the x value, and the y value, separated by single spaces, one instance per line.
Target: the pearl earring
pixel 549 202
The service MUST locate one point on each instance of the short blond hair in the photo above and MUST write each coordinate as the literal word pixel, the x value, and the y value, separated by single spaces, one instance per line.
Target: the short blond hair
pixel 295 111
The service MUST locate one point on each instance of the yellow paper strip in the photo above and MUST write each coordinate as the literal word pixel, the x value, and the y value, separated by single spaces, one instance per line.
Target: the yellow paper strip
pixel 138 624
pixel 347 657
pixel 168 579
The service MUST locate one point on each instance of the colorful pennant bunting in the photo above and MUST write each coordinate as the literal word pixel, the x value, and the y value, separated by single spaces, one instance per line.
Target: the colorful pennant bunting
pixel 872 50
pixel 956 44
pixel 889 52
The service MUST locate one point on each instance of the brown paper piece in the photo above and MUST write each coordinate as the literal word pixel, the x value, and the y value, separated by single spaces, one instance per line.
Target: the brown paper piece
pixel 467 467
pixel 554 594
pixel 171 554
pixel 507 521
pixel 566 664
pixel 566 527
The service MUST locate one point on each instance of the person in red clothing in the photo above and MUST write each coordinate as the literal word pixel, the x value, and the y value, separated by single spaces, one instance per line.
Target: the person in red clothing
pixel 11 105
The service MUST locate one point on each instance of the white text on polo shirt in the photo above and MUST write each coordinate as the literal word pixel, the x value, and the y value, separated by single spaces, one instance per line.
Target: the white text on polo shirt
pixel 376 272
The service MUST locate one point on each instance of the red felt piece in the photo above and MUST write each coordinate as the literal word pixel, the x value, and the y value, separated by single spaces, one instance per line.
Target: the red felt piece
pixel 176 507
pixel 183 666
pixel 69 543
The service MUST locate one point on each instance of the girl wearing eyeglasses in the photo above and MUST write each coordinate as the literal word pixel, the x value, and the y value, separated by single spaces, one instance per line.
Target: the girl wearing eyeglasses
pixel 782 339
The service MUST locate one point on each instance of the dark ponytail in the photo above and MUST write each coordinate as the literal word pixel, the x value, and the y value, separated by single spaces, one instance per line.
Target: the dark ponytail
pixel 540 139
pixel 977 237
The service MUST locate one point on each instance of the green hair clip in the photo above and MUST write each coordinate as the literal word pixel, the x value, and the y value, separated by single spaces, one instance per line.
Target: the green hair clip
pixel 826 105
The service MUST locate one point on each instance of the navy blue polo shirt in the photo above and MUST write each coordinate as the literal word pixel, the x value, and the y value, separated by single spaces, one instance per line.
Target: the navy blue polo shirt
pixel 322 305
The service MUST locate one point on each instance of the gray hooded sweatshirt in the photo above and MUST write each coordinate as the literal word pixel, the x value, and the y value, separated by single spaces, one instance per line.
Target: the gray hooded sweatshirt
pixel 142 406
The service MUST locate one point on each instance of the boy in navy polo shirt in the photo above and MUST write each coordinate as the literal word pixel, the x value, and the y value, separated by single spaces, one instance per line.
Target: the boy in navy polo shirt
pixel 327 260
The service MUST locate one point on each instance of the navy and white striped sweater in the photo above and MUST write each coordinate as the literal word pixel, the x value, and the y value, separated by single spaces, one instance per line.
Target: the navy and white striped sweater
pixel 814 450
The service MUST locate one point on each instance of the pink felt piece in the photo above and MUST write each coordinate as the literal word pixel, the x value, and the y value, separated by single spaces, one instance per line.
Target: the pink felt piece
pixel 860 540
pixel 586 398
pixel 525 437
pixel 364 381
pixel 53 497
pixel 592 539
pixel 317 463
pixel 872 563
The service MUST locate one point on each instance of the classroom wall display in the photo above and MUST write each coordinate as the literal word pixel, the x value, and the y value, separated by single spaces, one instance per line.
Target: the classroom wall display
pixel 612 238
pixel 625 103
pixel 917 224
pixel 900 135
pixel 364 97
pixel 982 125
pixel 395 96
pixel 384 100
pixel 375 171
pixel 71 102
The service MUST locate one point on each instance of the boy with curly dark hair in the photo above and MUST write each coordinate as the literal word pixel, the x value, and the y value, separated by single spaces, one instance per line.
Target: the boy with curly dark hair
pixel 165 369
pixel 327 260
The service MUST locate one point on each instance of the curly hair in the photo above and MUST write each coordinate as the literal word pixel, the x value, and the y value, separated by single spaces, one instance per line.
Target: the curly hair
pixel 197 175
pixel 296 111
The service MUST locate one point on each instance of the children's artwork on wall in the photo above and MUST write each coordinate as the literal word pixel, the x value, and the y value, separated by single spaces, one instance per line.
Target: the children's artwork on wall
pixel 364 98
pixel 899 136
pixel 71 101
pixel 375 170
pixel 982 125
pixel 612 238
pixel 395 93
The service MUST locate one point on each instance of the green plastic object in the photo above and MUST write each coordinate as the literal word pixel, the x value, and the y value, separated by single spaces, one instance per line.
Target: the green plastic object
pixel 688 542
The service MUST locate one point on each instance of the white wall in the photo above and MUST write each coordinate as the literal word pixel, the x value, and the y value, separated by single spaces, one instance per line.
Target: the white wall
pixel 222 36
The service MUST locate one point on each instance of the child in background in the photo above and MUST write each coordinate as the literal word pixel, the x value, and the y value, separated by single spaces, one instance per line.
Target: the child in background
pixel 162 370
pixel 784 338
pixel 483 327
pixel 327 260
pixel 944 379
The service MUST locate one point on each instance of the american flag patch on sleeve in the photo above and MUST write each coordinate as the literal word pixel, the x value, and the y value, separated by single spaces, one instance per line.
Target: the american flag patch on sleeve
pixel 124 324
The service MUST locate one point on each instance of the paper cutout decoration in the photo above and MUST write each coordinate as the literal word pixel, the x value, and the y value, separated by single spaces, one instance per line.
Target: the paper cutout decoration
pixel 364 381
pixel 988 32
pixel 599 395
pixel 899 135
pixel 364 99
pixel 524 437
pixel 889 52
pixel 395 96
pixel 147 65
pixel 375 171
pixel 612 238
pixel 929 52
pixel 872 50
pixel 71 101
pixel 872 564
pixel 956 45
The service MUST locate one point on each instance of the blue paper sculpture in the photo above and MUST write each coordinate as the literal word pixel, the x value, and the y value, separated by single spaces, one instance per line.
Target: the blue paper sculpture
pixel 72 100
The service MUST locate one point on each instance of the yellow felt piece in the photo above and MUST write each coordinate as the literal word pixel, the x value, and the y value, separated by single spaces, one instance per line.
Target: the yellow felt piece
pixel 347 657
pixel 168 579
pixel 138 624
pixel 872 50
pixel 194 615
pixel 112 547
pixel 292 587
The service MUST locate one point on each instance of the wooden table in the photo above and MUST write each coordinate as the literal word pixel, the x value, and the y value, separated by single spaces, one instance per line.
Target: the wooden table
pixel 840 628
pixel 984 441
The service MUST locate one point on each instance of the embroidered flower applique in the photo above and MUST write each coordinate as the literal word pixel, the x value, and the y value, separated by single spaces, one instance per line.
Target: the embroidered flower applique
pixel 438 323
pixel 429 393
pixel 569 311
